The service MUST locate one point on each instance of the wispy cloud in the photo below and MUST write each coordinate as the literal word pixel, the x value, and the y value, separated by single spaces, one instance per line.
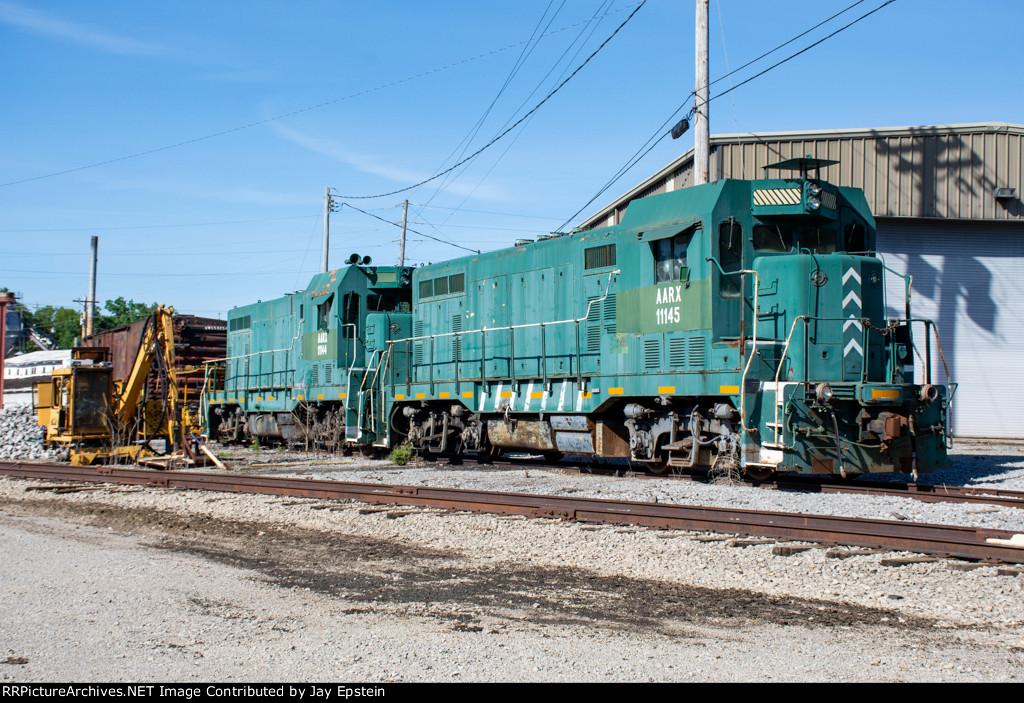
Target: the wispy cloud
pixel 372 165
pixel 75 32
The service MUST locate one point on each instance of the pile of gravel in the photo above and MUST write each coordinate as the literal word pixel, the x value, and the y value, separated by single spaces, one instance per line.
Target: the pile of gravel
pixel 21 437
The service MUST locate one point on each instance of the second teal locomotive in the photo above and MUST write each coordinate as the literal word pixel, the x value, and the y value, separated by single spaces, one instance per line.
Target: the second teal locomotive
pixel 738 324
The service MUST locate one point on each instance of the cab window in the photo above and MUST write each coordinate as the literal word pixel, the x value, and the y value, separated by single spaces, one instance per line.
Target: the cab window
pixel 820 240
pixel 350 313
pixel 854 237
pixel 670 257
pixel 730 256
pixel 323 313
pixel 772 238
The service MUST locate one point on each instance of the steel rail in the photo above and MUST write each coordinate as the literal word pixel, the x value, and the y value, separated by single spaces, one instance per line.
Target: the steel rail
pixel 941 540
pixel 927 493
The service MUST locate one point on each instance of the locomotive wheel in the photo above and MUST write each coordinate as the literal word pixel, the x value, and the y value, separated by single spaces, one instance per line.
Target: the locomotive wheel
pixel 758 473
pixel 553 456
pixel 659 466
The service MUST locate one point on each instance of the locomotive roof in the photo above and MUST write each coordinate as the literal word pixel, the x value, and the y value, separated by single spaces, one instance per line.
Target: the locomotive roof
pixel 676 208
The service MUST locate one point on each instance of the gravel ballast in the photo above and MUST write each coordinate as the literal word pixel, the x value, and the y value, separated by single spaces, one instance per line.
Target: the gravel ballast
pixel 21 437
pixel 142 584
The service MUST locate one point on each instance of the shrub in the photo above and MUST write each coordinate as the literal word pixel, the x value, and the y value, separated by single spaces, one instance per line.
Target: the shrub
pixel 401 454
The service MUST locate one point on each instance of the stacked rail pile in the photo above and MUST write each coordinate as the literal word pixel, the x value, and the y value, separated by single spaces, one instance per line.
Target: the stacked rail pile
pixel 196 339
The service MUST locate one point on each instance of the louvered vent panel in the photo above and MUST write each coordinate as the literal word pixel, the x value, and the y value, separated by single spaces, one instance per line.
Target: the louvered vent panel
pixel 609 314
pixel 328 371
pixel 652 353
pixel 417 347
pixel 456 341
pixel 315 377
pixel 696 352
pixel 677 352
pixel 594 339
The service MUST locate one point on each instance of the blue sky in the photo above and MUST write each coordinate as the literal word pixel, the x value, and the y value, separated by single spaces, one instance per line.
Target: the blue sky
pixel 313 93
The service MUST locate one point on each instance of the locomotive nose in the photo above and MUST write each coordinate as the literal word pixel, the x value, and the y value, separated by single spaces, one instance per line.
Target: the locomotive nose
pixel 830 308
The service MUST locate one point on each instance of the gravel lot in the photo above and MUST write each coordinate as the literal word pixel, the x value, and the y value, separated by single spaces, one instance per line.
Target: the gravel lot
pixel 117 583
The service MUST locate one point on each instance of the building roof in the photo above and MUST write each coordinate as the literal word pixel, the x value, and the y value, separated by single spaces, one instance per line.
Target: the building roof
pixel 931 171
pixel 55 356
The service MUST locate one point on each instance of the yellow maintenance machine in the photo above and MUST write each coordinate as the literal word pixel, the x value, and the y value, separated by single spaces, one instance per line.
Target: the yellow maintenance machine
pixel 100 419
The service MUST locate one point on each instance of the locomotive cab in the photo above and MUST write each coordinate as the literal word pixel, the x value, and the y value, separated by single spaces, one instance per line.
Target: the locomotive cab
pixel 833 375
pixel 299 369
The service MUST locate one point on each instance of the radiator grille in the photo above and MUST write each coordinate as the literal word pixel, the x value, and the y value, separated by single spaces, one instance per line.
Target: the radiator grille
pixel 652 353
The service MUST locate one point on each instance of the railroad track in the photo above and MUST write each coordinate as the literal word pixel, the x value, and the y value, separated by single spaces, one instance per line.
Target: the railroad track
pixel 939 540
pixel 928 493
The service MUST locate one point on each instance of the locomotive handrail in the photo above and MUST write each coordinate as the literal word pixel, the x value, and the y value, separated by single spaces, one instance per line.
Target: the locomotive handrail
pixel 907 283
pixel 511 329
pixel 930 329
pixel 753 344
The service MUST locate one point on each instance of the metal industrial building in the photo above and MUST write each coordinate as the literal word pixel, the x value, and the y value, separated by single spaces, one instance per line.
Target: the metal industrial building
pixel 947 200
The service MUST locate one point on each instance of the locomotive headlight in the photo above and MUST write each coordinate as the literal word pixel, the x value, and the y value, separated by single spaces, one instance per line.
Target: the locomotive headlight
pixel 823 392
pixel 813 204
pixel 814 190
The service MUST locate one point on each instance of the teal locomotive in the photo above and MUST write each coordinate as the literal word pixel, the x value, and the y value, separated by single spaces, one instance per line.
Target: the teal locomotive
pixel 738 324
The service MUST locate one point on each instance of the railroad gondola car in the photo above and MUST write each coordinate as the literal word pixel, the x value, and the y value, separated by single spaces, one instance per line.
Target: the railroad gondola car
pixel 738 324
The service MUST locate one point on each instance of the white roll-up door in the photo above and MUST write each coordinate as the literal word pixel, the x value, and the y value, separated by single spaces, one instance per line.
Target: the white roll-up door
pixel 968 277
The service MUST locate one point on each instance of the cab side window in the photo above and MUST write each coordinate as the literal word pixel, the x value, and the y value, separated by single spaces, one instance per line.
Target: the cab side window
pixel 670 257
pixel 350 313
pixel 323 313
pixel 730 256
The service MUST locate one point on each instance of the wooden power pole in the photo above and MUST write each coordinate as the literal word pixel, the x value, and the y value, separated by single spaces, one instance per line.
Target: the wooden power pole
pixel 701 130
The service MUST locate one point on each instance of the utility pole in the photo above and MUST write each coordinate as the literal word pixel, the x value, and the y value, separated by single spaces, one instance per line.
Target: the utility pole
pixel 327 229
pixel 401 245
pixel 90 300
pixel 5 299
pixel 701 130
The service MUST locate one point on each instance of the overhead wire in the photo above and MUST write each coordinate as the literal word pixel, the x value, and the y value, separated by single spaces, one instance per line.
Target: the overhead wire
pixel 593 23
pixel 299 111
pixel 659 135
pixel 133 227
pixel 408 229
pixel 506 131
pixel 528 50
pixel 802 51
pixel 520 61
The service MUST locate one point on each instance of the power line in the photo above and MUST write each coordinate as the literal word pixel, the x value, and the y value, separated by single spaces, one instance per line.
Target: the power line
pixel 409 229
pixel 517 123
pixel 595 20
pixel 301 110
pixel 483 212
pixel 132 227
pixel 633 160
pixel 785 43
pixel 802 51
pixel 644 150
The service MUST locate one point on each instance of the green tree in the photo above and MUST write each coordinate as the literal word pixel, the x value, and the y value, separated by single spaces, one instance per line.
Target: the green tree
pixel 64 324
pixel 122 312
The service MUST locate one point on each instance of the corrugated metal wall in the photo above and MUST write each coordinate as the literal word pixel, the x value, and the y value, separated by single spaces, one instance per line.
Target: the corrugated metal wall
pixel 947 172
pixel 967 278
pixel 925 172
